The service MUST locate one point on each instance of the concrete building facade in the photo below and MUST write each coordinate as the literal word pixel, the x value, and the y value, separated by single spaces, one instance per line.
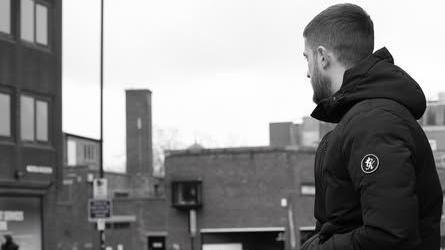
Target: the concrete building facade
pixel 30 120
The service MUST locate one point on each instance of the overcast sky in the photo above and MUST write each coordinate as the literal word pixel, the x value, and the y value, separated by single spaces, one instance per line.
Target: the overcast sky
pixel 220 71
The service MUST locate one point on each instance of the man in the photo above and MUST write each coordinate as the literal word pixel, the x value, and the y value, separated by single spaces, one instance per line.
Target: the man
pixel 376 182
pixel 9 243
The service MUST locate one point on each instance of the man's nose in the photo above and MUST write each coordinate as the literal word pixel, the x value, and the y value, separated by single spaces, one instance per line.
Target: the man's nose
pixel 308 75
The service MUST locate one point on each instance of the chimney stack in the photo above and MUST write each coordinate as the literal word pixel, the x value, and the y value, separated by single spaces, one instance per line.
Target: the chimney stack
pixel 139 132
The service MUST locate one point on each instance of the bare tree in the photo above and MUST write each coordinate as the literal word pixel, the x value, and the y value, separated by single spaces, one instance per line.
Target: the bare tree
pixel 163 139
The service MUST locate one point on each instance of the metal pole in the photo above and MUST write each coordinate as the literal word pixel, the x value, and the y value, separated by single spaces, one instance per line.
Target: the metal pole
pixel 101 167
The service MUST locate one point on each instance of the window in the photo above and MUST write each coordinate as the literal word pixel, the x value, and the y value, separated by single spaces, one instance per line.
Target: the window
pixel 88 152
pixel 121 194
pixel 117 225
pixel 33 119
pixel 5 114
pixel 23 216
pixel 34 22
pixel 42 120
pixel 27 117
pixel 5 16
pixel 186 194
pixel 41 24
pixel 71 152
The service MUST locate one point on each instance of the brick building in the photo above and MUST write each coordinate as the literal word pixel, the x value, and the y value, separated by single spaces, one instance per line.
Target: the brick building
pixel 139 207
pixel 30 120
pixel 252 198
pixel 308 133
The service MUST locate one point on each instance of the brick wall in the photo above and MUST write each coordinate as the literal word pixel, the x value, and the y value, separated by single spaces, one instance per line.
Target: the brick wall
pixel 241 188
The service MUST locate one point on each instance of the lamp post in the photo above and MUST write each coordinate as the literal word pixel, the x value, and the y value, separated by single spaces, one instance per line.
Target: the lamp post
pixel 101 167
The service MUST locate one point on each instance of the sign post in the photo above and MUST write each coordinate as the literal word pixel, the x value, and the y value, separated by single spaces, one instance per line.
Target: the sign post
pixel 193 227
pixel 98 211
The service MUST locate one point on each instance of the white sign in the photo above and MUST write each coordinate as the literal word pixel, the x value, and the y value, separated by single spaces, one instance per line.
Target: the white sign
pixel 3 226
pixel 39 169
pixel 227 246
pixel 283 202
pixel 100 225
pixel 100 188
pixel 12 215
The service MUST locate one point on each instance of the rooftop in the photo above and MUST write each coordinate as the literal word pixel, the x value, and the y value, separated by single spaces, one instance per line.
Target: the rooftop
pixel 238 150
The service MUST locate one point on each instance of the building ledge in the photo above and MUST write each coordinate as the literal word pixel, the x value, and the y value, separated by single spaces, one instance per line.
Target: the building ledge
pixel 239 150
pixel 242 229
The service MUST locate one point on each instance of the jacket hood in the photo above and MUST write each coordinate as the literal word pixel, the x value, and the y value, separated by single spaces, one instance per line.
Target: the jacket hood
pixel 374 77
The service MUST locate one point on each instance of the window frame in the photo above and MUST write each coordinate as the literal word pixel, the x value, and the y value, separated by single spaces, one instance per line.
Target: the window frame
pixel 10 37
pixel 178 191
pixel 48 10
pixel 12 114
pixel 34 43
pixel 49 119
pixel 10 20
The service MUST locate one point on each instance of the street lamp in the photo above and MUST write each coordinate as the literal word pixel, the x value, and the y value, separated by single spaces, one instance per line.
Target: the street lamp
pixel 101 167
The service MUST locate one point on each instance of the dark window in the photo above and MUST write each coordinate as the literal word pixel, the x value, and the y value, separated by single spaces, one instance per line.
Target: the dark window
pixel 117 225
pixel 156 243
pixel 121 194
pixel 121 225
pixel 186 194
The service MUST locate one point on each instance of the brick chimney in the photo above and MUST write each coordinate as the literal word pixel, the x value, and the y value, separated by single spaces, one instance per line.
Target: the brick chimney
pixel 139 140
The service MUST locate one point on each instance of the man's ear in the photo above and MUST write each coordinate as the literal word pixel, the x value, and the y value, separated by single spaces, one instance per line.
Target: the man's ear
pixel 323 56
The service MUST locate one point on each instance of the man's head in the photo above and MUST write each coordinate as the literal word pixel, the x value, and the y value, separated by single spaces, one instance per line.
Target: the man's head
pixel 336 40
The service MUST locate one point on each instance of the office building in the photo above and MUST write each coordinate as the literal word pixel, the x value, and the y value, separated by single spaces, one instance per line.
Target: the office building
pixel 30 120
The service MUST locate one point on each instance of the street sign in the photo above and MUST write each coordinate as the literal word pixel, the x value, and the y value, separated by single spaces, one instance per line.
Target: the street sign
pixel 99 209
pixel 100 188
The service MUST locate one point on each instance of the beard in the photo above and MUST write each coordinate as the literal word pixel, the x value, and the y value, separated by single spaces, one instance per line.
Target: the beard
pixel 321 85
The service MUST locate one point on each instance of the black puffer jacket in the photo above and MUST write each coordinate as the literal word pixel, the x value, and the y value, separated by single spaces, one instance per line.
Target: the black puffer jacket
pixel 377 186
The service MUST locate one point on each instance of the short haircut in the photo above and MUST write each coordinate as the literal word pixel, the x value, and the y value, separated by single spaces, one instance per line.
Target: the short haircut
pixel 346 29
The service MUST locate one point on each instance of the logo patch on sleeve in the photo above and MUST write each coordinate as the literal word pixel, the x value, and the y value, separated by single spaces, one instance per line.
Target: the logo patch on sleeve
pixel 370 163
